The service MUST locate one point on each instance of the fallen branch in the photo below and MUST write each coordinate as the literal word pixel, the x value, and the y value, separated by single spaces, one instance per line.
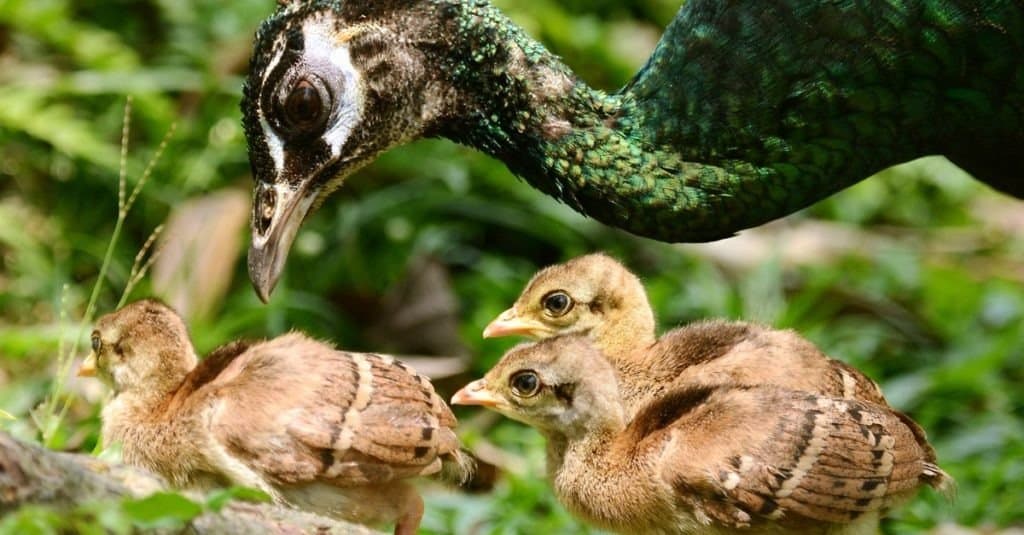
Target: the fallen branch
pixel 30 474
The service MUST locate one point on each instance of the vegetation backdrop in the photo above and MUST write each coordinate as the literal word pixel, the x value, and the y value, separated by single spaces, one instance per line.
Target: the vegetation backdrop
pixel 915 276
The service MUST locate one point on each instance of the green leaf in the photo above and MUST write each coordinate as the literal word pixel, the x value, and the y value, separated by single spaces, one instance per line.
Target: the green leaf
pixel 161 509
pixel 217 499
pixel 4 415
pixel 31 520
pixel 24 110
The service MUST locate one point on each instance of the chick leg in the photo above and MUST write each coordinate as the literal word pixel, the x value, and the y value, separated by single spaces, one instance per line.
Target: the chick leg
pixel 411 511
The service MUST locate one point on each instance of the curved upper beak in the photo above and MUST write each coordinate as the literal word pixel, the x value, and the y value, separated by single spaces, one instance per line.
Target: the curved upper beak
pixel 475 393
pixel 88 366
pixel 278 212
pixel 509 323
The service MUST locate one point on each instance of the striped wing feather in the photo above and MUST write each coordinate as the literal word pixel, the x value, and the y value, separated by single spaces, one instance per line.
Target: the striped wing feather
pixel 743 455
pixel 740 353
pixel 316 413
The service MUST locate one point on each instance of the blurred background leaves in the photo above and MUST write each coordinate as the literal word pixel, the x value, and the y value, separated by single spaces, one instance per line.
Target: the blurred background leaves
pixel 916 276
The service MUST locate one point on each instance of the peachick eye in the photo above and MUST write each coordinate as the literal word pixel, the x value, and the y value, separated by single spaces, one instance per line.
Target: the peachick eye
pixel 525 384
pixel 557 303
pixel 96 343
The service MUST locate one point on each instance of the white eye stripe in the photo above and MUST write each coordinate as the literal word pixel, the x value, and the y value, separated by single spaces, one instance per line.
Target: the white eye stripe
pixel 280 47
pixel 275 146
pixel 323 57
pixel 318 37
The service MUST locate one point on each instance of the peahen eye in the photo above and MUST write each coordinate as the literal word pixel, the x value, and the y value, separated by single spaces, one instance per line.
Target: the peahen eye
pixel 303 105
pixel 96 343
pixel 305 108
pixel 557 303
pixel 525 384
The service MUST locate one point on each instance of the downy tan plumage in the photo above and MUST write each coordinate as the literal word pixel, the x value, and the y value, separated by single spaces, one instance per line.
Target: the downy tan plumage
pixel 708 459
pixel 597 296
pixel 330 431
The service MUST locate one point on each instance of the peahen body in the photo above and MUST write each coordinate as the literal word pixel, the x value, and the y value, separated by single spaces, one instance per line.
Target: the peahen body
pixel 745 112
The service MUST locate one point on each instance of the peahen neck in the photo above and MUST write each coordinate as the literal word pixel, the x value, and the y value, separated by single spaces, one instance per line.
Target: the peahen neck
pixel 519 103
pixel 716 133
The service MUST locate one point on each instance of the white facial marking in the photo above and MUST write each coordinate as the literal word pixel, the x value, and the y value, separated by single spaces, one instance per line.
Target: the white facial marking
pixel 274 144
pixel 319 39
pixel 318 36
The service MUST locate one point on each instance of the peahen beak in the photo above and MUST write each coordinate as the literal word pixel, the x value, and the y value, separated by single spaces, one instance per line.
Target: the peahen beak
pixel 509 323
pixel 88 366
pixel 475 393
pixel 278 212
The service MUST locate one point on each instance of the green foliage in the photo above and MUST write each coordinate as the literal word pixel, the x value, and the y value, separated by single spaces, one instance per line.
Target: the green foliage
pixel 216 500
pixel 914 276
pixel 160 510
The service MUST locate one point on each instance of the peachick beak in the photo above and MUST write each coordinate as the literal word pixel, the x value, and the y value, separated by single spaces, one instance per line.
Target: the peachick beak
pixel 278 212
pixel 508 323
pixel 88 366
pixel 475 393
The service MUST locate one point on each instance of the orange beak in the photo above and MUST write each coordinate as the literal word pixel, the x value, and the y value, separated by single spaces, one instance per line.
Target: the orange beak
pixel 475 393
pixel 88 366
pixel 508 323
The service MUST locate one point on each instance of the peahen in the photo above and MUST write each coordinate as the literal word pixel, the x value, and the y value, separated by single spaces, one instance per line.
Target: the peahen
pixel 746 111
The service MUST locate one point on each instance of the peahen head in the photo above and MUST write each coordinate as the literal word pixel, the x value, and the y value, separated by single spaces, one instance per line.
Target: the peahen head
pixel 331 85
pixel 712 135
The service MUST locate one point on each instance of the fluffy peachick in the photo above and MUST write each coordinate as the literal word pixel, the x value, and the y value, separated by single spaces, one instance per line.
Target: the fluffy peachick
pixel 334 432
pixel 595 295
pixel 704 459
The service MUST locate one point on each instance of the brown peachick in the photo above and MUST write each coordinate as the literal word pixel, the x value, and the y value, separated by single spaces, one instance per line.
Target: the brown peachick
pixel 333 432
pixel 595 295
pixel 707 459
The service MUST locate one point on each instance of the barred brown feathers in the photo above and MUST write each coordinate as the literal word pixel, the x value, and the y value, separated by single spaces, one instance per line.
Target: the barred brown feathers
pixel 707 458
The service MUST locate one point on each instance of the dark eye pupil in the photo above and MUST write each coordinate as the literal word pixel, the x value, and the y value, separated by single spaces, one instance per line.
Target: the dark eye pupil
pixel 95 343
pixel 556 302
pixel 525 383
pixel 303 105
